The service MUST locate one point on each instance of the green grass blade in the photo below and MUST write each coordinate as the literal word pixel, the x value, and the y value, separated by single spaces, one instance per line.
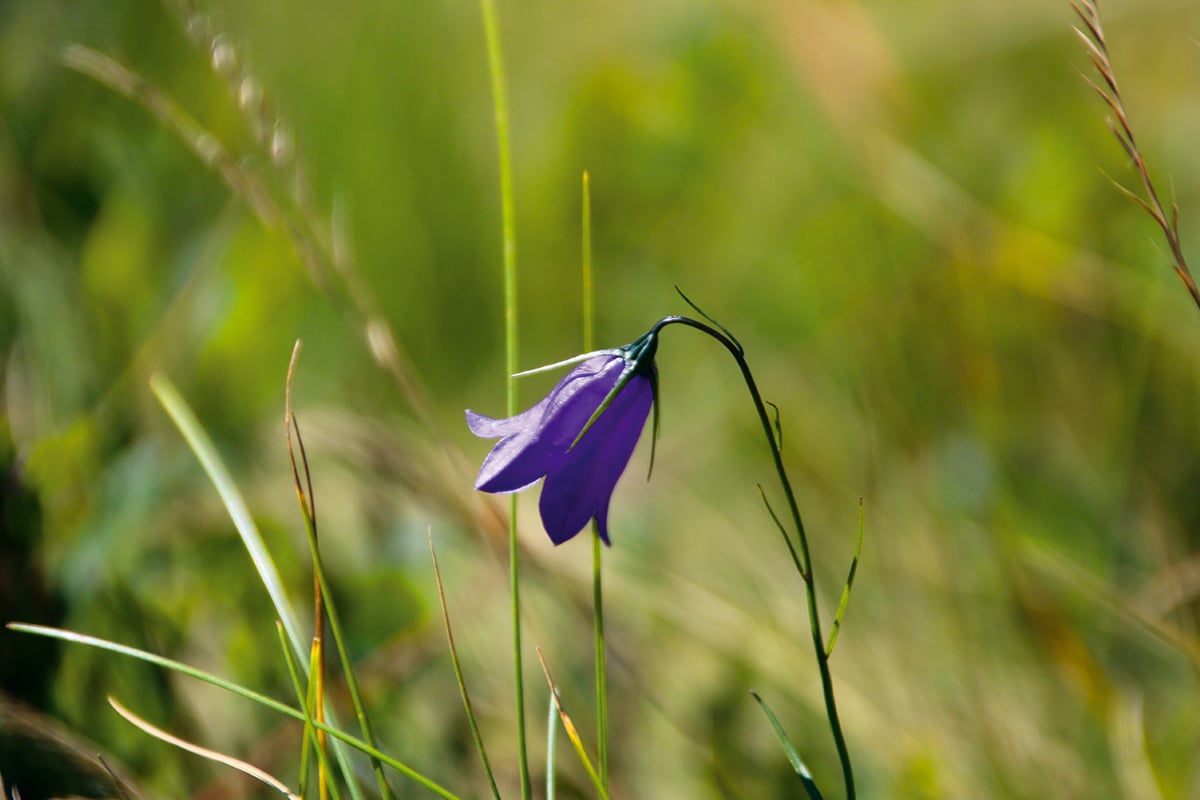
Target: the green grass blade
pixel 551 748
pixel 491 29
pixel 310 733
pixel 601 656
pixel 573 732
pixel 589 335
pixel 325 607
pixel 797 763
pixel 841 609
pixel 206 453
pixel 157 660
pixel 360 709
pixel 202 446
pixel 787 540
pixel 241 691
pixel 589 293
pixel 458 674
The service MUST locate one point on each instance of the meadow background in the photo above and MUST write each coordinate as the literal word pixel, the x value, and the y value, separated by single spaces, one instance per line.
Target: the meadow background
pixel 902 209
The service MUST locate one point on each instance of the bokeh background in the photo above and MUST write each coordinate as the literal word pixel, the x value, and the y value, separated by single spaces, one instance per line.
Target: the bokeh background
pixel 903 209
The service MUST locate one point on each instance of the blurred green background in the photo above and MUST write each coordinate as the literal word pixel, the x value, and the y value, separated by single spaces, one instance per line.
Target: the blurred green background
pixel 903 209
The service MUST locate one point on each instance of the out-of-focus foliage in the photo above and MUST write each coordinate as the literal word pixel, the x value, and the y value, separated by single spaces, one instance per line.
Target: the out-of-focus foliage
pixel 901 209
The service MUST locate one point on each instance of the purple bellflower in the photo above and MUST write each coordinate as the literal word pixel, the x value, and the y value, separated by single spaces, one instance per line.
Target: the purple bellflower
pixel 579 438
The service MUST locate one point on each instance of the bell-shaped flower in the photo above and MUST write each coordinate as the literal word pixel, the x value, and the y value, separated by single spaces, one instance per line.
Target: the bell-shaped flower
pixel 579 437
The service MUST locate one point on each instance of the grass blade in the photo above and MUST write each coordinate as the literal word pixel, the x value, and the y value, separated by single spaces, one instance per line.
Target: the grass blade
pixel 601 667
pixel 324 602
pixel 241 691
pixel 841 609
pixel 206 453
pixel 798 764
pixel 212 755
pixel 458 674
pixel 800 568
pixel 551 748
pixel 572 732
pixel 311 742
pixel 491 30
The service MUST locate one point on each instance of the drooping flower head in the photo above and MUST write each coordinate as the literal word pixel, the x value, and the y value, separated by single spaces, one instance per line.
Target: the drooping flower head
pixel 579 438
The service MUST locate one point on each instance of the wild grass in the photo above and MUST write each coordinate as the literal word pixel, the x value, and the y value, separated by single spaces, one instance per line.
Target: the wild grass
pixel 906 219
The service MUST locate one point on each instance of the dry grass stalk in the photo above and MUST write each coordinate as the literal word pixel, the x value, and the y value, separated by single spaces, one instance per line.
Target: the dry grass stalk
pixel 1092 36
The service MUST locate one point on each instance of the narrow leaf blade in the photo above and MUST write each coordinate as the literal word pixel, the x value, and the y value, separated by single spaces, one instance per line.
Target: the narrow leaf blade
pixel 798 764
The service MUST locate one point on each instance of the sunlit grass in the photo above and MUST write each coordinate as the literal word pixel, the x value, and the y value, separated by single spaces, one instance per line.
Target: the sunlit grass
pixel 908 220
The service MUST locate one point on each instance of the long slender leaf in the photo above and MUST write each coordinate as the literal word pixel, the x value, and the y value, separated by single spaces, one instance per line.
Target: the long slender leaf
pixel 508 223
pixel 310 733
pixel 600 649
pixel 841 609
pixel 323 599
pixel 204 450
pixel 472 722
pixel 551 748
pixel 241 691
pixel 798 764
pixel 572 732
pixel 244 767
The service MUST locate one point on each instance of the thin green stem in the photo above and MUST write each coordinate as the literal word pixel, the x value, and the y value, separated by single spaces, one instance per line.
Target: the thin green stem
pixel 589 335
pixel 551 749
pixel 458 674
pixel 572 731
pixel 491 28
pixel 310 733
pixel 360 709
pixel 589 324
pixel 325 605
pixel 601 659
pixel 805 559
pixel 514 580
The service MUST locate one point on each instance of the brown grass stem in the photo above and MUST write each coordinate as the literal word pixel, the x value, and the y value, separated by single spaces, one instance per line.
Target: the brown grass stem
pixel 1091 34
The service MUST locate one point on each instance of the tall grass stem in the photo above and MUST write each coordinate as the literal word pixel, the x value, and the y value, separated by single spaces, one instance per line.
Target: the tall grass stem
pixel 589 336
pixel 491 28
pixel 323 598
pixel 310 732
pixel 458 674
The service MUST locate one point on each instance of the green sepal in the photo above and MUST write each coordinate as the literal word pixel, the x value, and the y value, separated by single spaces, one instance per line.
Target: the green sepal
pixel 639 359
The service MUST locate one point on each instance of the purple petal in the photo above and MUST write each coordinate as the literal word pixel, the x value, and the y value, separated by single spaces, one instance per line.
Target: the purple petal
pixel 620 443
pixel 571 404
pixel 581 487
pixel 491 428
pixel 534 441
pixel 515 463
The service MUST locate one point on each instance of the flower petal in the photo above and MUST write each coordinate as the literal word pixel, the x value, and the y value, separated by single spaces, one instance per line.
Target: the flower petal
pixel 581 486
pixel 619 447
pixel 571 404
pixel 515 463
pixel 533 442
pixel 491 428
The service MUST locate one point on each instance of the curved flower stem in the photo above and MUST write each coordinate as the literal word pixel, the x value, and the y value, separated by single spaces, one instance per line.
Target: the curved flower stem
pixel 804 561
